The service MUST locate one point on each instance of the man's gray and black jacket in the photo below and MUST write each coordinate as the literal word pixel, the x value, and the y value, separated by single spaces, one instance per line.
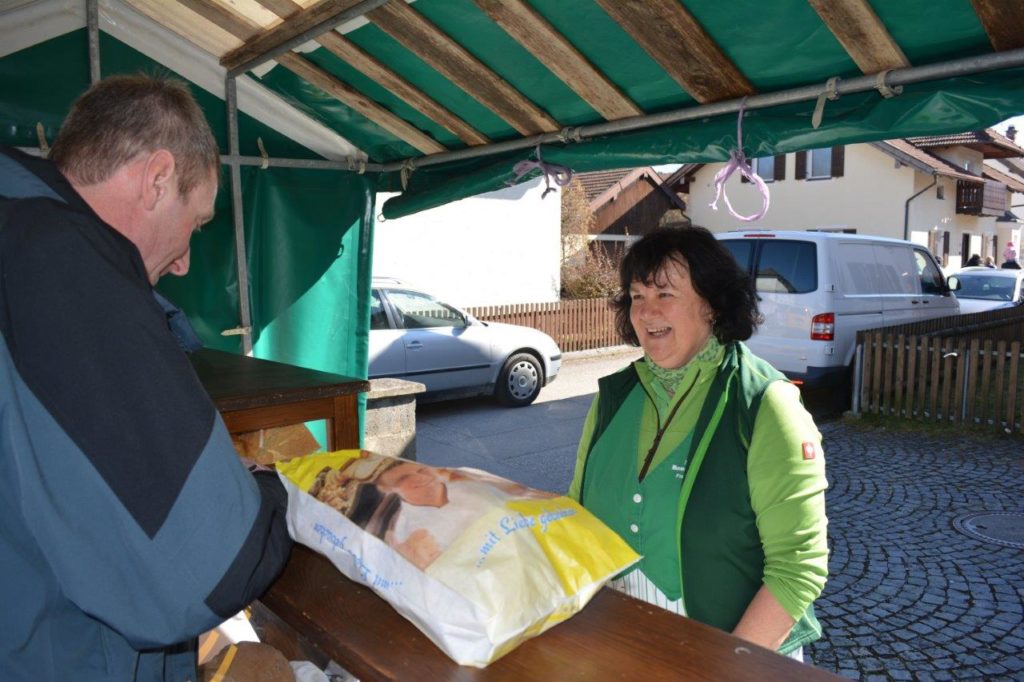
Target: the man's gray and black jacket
pixel 128 525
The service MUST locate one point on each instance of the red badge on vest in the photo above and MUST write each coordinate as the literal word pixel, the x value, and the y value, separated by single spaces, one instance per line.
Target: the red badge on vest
pixel 809 450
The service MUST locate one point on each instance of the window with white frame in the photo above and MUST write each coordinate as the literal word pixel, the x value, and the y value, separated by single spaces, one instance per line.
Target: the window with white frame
pixel 820 165
pixel 764 166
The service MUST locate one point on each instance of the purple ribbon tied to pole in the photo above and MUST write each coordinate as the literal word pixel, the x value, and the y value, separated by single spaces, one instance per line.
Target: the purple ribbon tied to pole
pixel 738 162
pixel 561 175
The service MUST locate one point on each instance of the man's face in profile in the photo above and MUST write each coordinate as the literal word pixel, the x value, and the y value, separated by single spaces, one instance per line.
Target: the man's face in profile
pixel 182 216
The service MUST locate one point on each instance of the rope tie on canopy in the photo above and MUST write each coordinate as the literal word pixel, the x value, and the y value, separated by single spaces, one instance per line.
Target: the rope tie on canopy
pixel 886 90
pixel 408 166
pixel 264 158
pixel 570 134
pixel 44 146
pixel 553 172
pixel 738 162
pixel 357 165
pixel 831 93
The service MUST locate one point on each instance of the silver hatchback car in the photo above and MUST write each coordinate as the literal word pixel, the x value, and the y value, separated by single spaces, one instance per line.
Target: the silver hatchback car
pixel 414 336
pixel 979 289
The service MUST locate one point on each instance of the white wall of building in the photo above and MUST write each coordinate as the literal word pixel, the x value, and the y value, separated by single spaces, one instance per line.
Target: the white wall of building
pixel 491 249
pixel 868 198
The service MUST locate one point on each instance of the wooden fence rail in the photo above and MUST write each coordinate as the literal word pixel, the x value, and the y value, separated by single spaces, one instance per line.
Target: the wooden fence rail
pixel 943 379
pixel 574 325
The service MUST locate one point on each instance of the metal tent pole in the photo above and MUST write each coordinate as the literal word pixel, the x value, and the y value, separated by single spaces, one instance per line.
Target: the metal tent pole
pixel 894 78
pixel 352 165
pixel 236 209
pixel 92 21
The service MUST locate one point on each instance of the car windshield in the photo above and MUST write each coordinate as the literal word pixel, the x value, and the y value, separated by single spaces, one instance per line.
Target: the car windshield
pixel 986 287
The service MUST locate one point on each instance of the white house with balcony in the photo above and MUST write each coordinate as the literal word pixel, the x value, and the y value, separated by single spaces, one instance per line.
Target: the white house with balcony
pixel 951 193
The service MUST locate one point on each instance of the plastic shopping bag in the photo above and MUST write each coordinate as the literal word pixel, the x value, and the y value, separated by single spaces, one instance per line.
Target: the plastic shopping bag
pixel 477 562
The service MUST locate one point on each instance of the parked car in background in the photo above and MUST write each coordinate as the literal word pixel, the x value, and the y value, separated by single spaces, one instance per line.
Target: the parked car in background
pixel 981 289
pixel 414 336
pixel 816 290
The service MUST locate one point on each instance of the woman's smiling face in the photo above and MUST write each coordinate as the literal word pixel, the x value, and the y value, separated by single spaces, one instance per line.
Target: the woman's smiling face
pixel 671 320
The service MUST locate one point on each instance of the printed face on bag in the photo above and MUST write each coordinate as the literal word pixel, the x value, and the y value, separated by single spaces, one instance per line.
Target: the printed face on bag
pixel 671 320
pixel 415 484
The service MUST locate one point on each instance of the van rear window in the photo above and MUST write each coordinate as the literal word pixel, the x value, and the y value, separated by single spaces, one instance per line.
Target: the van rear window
pixel 787 267
pixel 741 250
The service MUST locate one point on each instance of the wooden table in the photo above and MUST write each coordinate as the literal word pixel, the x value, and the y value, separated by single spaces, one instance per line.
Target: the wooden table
pixel 253 394
pixel 614 637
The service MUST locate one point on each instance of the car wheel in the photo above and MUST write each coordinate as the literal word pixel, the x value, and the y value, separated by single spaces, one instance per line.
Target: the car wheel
pixel 520 380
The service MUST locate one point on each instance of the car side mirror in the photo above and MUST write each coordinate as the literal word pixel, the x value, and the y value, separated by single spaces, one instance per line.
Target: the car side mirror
pixel 953 283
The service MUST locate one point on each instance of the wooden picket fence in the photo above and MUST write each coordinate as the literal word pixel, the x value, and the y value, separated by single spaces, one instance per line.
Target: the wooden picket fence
pixel 970 371
pixel 574 325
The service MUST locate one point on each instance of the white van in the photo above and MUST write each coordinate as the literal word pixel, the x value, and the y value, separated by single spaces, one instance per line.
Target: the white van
pixel 816 290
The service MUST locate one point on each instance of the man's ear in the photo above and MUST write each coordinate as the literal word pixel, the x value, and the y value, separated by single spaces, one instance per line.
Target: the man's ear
pixel 157 176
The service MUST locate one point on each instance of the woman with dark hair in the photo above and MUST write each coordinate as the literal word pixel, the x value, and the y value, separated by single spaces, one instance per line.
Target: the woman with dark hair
pixel 701 454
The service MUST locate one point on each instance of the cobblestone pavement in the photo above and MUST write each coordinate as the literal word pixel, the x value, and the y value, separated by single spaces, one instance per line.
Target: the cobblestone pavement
pixel 909 596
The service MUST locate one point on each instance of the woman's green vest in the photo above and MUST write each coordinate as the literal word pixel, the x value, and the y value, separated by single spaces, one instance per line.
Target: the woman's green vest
pixel 722 561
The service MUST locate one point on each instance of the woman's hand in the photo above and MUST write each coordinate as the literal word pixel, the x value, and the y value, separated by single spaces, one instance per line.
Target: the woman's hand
pixel 765 622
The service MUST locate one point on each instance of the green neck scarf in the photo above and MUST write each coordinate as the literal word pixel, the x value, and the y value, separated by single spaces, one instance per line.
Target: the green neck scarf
pixel 669 379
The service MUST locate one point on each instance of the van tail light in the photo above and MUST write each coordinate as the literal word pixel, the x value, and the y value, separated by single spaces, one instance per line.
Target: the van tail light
pixel 823 327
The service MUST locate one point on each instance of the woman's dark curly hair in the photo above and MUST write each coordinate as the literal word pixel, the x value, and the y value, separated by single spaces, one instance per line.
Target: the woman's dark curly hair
pixel 714 272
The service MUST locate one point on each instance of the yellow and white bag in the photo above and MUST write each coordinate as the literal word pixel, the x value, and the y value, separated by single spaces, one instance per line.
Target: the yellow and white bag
pixel 477 562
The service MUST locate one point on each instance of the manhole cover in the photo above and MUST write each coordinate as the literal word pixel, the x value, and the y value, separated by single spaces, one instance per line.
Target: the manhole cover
pixel 1003 528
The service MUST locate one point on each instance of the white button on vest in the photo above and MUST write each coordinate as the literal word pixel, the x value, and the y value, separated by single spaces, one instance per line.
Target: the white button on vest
pixel 635 528
pixel 638 498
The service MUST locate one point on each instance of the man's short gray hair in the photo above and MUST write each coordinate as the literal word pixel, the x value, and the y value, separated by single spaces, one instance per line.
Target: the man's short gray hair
pixel 123 116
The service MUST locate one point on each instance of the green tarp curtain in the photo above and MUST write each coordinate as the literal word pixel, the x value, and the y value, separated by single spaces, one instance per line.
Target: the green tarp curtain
pixel 308 236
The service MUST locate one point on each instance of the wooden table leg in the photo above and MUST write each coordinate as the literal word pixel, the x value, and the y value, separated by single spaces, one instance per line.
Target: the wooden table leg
pixel 343 431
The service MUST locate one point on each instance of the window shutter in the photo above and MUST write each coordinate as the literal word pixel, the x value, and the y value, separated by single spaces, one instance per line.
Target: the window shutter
pixel 837 161
pixel 780 167
pixel 801 165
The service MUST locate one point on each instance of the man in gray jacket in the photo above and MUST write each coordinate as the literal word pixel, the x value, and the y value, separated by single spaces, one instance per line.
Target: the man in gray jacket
pixel 128 525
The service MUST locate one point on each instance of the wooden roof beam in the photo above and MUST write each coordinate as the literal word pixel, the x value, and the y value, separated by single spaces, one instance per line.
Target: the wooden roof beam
pixel 1003 20
pixel 301 27
pixel 674 39
pixel 359 102
pixel 443 54
pixel 376 70
pixel 241 27
pixel 862 34
pixel 554 51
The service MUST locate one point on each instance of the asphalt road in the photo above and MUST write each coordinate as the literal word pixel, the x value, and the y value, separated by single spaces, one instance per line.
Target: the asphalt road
pixel 534 445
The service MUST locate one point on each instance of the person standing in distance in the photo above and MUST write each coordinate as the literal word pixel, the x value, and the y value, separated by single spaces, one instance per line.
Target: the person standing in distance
pixel 129 524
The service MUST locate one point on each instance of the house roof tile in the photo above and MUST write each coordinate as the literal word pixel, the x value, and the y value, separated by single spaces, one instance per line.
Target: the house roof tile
pixel 1014 183
pixel 925 160
pixel 988 141
pixel 595 183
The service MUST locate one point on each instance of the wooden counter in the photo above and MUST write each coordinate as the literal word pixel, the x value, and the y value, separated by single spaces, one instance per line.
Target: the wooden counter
pixel 614 637
pixel 253 394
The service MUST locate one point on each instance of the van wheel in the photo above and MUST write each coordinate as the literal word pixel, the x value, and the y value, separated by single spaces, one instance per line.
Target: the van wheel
pixel 520 380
